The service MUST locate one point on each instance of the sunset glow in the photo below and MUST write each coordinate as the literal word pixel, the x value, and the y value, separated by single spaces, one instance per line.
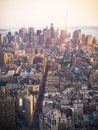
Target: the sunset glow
pixel 17 13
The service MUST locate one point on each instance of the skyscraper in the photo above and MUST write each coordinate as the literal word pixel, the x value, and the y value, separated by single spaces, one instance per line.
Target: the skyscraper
pixel 1 38
pixel 29 110
pixel 66 26
pixel 7 108
pixel 89 40
pixel 22 33
pixel 3 58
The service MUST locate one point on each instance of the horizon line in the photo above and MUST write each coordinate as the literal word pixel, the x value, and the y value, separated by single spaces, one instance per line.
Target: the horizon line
pixel 41 27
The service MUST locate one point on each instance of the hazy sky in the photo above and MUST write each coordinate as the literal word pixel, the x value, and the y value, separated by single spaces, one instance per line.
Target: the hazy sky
pixel 36 13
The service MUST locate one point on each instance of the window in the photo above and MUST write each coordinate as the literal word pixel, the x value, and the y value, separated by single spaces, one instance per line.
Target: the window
pixel 20 102
pixel 54 122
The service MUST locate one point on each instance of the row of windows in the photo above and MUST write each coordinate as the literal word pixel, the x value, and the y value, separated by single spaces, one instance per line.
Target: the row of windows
pixel 51 122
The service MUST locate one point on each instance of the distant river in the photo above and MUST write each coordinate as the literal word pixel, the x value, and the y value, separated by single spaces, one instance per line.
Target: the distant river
pixel 87 30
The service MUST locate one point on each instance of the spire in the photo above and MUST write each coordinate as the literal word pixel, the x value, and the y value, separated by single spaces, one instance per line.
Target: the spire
pixel 66 25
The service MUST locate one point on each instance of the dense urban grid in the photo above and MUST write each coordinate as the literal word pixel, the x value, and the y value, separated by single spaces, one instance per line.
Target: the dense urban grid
pixel 48 80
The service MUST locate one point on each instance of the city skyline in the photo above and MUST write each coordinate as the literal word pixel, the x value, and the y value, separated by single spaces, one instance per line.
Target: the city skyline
pixel 48 69
pixel 39 13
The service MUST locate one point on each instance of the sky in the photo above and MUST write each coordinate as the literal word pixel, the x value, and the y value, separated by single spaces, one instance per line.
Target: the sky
pixel 39 13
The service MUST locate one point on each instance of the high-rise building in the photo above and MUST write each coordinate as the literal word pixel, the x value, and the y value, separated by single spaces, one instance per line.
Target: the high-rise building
pixel 83 40
pixel 3 58
pixel 31 30
pixel 62 35
pixel 41 39
pixel 76 37
pixel 29 110
pixel 46 32
pixel 52 31
pixel 54 120
pixel 1 38
pixel 22 33
pixel 20 99
pixel 78 111
pixel 7 108
pixel 5 40
pixel 89 40
pixel 66 27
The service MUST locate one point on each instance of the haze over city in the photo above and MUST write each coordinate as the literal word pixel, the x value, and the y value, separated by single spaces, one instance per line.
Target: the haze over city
pixel 39 13
pixel 48 64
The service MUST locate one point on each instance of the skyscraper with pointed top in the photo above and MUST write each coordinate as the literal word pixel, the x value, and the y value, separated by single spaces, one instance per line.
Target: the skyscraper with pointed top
pixel 66 26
